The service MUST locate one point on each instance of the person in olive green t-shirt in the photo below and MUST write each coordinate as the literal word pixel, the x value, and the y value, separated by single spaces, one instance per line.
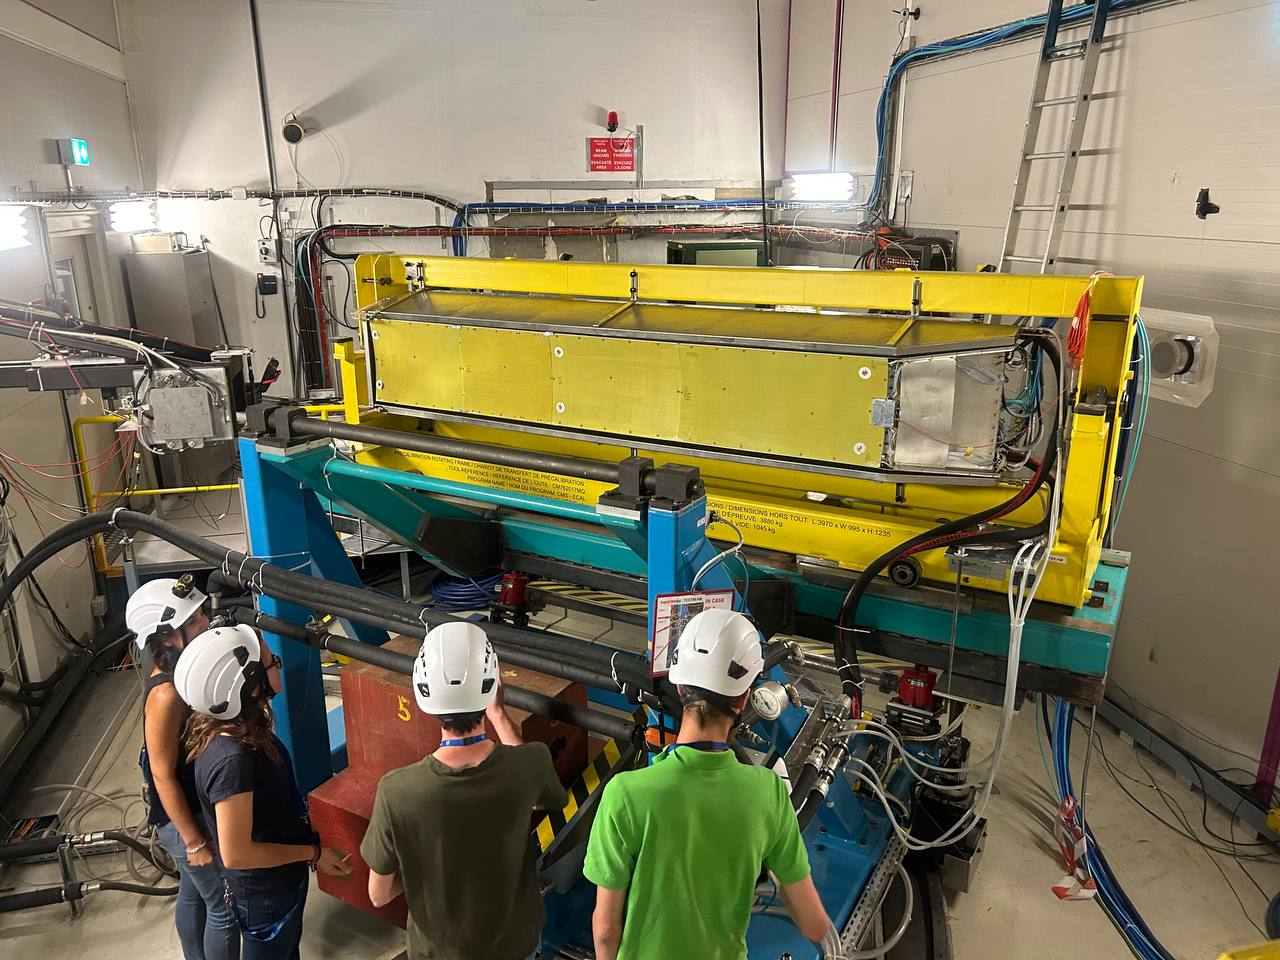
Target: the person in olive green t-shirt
pixel 677 847
pixel 452 830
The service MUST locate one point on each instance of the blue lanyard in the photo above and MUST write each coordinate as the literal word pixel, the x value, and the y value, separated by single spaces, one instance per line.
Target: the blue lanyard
pixel 710 745
pixel 464 741
pixel 268 932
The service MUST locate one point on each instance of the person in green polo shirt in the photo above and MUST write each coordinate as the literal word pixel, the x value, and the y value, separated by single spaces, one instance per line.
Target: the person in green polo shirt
pixel 676 848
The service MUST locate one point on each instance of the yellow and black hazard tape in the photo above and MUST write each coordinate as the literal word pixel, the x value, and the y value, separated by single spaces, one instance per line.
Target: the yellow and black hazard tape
pixel 584 789
pixel 603 598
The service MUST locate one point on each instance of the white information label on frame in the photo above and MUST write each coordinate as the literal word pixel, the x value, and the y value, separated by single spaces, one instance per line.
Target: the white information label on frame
pixel 671 612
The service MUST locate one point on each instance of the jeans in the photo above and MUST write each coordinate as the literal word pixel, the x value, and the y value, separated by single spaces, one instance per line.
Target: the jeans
pixel 273 910
pixel 206 928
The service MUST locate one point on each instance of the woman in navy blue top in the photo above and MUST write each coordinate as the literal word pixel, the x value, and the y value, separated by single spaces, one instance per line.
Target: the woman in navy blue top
pixel 247 790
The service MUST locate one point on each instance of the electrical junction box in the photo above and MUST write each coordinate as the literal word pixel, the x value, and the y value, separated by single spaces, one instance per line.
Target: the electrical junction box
pixel 267 251
pixel 185 408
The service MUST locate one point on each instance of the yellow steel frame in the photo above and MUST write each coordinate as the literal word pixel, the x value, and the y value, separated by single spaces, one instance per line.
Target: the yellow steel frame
pixel 93 497
pixel 860 518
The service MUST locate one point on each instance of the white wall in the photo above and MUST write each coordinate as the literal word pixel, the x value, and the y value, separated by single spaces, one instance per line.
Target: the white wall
pixel 48 97
pixel 442 96
pixel 97 18
pixel 1191 102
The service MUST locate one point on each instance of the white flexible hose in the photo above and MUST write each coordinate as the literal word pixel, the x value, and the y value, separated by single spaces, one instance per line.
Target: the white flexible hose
pixel 832 949
pixel 720 557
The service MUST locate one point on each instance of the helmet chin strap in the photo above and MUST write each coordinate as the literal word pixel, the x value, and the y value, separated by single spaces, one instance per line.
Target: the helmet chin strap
pixel 257 688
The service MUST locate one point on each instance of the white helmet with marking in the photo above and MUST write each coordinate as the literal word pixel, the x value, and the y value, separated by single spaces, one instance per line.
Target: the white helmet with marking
pixel 221 671
pixel 719 650
pixel 456 670
pixel 163 603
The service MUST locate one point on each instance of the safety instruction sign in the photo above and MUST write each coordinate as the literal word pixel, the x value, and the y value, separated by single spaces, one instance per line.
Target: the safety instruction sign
pixel 611 154
pixel 671 613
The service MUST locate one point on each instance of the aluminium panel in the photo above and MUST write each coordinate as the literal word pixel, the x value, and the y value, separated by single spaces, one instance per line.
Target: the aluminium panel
pixel 948 413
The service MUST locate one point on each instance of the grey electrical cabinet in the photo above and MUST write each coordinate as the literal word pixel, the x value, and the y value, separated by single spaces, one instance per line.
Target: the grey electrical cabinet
pixel 171 293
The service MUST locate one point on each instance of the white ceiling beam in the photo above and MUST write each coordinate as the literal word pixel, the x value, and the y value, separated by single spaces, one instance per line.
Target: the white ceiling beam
pixel 22 22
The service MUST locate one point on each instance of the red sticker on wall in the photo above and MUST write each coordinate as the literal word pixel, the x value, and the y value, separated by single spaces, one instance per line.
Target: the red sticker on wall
pixel 611 154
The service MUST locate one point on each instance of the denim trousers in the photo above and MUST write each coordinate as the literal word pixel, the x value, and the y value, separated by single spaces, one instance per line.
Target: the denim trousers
pixel 206 928
pixel 270 917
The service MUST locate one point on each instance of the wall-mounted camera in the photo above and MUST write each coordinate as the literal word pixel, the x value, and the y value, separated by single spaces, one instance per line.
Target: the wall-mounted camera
pixel 294 129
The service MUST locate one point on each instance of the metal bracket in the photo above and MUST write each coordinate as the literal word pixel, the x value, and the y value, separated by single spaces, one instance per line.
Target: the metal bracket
pixel 271 422
pixel 677 483
pixel 873 894
pixel 415 274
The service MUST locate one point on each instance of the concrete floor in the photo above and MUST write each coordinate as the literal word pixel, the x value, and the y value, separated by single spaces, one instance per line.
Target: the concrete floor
pixel 1010 913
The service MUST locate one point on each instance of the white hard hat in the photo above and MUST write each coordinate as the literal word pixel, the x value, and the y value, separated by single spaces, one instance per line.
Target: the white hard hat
pixel 456 670
pixel 160 603
pixel 719 650
pixel 215 669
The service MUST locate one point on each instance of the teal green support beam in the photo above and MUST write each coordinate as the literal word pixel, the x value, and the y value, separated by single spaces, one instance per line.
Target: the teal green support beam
pixel 397 502
pixel 571 545
pixel 1077 640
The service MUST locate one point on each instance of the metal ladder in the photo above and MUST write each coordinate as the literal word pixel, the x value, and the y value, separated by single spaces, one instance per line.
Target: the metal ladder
pixel 1051 52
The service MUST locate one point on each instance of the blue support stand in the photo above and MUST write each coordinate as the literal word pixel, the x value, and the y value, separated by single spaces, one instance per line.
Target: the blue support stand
pixel 287 526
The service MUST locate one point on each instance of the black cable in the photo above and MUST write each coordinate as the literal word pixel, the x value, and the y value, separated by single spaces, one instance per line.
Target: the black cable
pixel 217 303
pixel 1204 817
pixel 1111 684
pixel 344 602
pixel 1176 809
pixel 42 598
pixel 138 888
pixel 764 206
pixel 845 645
pixel 140 848
pixel 1115 774
pixel 19 696
pixel 346 299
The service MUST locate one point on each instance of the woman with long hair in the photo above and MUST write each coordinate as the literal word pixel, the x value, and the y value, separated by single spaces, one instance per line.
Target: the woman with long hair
pixel 247 790
pixel 165 615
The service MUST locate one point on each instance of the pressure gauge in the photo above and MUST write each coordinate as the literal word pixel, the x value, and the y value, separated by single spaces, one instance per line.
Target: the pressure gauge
pixel 769 700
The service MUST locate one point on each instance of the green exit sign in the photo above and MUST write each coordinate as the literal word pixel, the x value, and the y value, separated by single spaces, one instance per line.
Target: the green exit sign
pixel 73 152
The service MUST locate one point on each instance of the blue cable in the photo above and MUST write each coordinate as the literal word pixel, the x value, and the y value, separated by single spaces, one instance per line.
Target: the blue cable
pixel 450 593
pixel 1142 942
pixel 942 48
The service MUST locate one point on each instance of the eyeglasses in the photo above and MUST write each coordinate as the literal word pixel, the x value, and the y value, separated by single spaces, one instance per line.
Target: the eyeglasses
pixel 274 662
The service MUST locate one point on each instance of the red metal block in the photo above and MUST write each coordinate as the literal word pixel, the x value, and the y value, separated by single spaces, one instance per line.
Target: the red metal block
pixel 386 730
pixel 340 812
